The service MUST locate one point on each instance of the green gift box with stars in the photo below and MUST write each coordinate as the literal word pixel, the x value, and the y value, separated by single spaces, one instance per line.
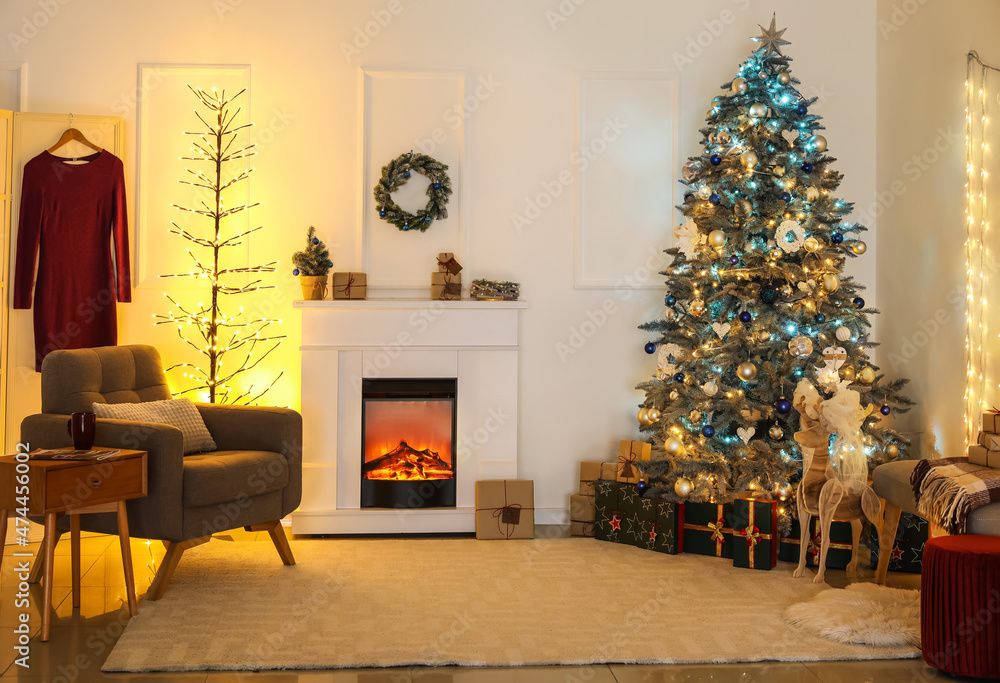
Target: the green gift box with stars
pixel 661 526
pixel 617 508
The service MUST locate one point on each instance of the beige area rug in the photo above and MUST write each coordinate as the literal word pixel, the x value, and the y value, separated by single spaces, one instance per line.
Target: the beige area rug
pixel 373 603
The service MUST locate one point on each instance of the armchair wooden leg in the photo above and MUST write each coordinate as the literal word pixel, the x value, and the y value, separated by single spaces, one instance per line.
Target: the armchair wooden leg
pixel 885 540
pixel 35 575
pixel 277 533
pixel 169 565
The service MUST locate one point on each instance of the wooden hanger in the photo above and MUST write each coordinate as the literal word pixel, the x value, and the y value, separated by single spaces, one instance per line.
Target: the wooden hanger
pixel 72 134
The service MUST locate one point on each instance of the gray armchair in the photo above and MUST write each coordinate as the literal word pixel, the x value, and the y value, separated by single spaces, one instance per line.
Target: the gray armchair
pixel 253 480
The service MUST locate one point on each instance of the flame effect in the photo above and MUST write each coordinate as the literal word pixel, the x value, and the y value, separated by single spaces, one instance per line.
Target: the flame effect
pixel 390 429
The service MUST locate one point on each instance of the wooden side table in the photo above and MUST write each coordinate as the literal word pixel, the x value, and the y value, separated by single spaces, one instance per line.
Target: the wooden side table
pixel 74 487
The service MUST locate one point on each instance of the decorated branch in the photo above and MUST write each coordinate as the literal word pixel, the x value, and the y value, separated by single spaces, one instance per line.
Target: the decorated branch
pixel 395 174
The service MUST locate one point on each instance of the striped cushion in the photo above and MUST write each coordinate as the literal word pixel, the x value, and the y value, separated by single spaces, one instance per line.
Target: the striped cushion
pixel 179 412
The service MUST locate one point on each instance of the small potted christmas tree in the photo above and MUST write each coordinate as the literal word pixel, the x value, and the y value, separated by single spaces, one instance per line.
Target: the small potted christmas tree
pixel 312 265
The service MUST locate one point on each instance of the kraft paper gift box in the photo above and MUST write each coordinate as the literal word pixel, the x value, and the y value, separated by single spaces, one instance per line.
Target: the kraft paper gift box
pixel 581 515
pixel 989 441
pixel 707 530
pixel 448 264
pixel 838 556
pixel 445 286
pixel 505 509
pixel 908 546
pixel 755 533
pixel 981 455
pixel 609 471
pixel 991 422
pixel 661 526
pixel 350 285
pixel 629 453
pixel 590 472
pixel 616 512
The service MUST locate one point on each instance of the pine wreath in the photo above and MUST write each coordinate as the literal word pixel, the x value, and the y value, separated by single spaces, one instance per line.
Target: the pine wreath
pixel 395 174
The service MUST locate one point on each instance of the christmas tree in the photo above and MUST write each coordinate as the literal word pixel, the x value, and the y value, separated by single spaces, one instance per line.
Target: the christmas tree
pixel 314 259
pixel 756 299
pixel 222 332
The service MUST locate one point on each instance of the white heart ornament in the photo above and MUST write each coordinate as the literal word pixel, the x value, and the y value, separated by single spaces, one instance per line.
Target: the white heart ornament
pixel 746 433
pixel 835 357
pixel 721 329
pixel 790 136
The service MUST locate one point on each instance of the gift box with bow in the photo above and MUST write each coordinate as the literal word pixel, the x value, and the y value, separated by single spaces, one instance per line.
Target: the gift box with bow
pixel 706 529
pixel 755 533
pixel 350 285
pixel 505 509
pixel 629 453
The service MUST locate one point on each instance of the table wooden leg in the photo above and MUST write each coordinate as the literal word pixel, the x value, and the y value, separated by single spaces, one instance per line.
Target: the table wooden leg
pixel 133 607
pixel 48 552
pixel 74 541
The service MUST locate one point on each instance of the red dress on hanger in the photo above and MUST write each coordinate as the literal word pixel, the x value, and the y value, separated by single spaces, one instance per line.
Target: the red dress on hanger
pixel 69 215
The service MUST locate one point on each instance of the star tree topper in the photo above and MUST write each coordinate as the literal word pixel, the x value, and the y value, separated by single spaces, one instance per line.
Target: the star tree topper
pixel 770 39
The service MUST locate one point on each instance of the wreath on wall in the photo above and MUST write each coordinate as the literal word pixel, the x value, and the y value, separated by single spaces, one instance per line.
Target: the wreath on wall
pixel 395 174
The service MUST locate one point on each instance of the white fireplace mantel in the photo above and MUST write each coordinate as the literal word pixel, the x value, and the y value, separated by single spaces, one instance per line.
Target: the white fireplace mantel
pixel 346 341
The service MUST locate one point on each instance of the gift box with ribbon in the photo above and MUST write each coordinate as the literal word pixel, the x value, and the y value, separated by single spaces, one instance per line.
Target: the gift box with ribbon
pixel 838 556
pixel 629 453
pixel 616 512
pixel 590 472
pixel 908 546
pixel 350 285
pixel 448 264
pixel 981 455
pixel 505 509
pixel 609 471
pixel 581 515
pixel 707 530
pixel 445 286
pixel 661 526
pixel 755 533
pixel 991 422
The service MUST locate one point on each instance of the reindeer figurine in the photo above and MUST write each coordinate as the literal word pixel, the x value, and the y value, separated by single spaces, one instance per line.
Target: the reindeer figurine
pixel 826 490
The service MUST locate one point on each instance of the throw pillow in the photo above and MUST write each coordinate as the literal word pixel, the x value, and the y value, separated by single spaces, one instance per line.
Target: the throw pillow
pixel 178 412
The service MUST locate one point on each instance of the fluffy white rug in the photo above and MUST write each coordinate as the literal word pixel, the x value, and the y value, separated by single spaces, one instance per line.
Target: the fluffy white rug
pixel 861 614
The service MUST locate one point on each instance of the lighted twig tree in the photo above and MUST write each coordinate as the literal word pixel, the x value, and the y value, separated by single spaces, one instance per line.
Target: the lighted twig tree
pixel 221 335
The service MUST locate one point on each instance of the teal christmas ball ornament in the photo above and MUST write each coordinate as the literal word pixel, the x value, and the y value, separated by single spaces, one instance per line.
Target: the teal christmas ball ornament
pixel 295 272
pixel 649 348
pixel 708 431
pixel 406 227
pixel 428 219
pixel 858 302
pixel 714 199
pixel 329 264
pixel 670 299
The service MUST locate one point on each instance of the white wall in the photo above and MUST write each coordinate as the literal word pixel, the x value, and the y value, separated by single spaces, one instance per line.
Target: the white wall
pixel 921 49
pixel 84 60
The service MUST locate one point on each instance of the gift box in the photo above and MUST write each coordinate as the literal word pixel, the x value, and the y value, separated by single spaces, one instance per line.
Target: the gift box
pixel 629 453
pixel 706 531
pixel 908 546
pixel 616 512
pixel 980 455
pixel 590 472
pixel 989 441
pixel 446 286
pixel 755 533
pixel 581 515
pixel 609 471
pixel 991 422
pixel 350 285
pixel 661 526
pixel 838 556
pixel 505 509
pixel 448 264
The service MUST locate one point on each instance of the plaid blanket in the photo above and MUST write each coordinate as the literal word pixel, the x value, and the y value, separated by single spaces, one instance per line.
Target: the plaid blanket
pixel 947 490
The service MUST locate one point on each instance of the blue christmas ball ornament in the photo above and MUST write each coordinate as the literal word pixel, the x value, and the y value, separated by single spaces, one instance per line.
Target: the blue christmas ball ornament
pixel 670 299
pixel 745 317
pixel 785 197
pixel 428 219
pixel 688 197
pixel 801 110
pixel 708 431
pixel 679 377
pixel 405 227
pixel 820 318
pixel 783 406
pixel 807 167
pixel 295 272
pixel 733 260
pixel 315 240
pixel 406 174
pixel 649 348
pixel 714 199
pixel 715 159
pixel 836 238
pixel 437 186
pixel 859 302
pixel 885 410
pixel 329 264
pixel 641 486
pixel 381 213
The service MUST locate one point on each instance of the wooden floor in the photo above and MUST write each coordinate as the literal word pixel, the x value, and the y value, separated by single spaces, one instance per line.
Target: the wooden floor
pixel 81 639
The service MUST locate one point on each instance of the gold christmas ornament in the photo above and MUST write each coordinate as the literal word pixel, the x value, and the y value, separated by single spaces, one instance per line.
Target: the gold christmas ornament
pixel 671 314
pixel 674 446
pixel 763 336
pixel 697 307
pixel 704 192
pixel 717 239
pixel 831 282
pixel 779 171
pixel 674 395
pixel 688 380
pixel 653 415
pixel 843 333
pixel 776 432
pixel 785 291
pixel 723 137
pixel 739 85
pixel 747 371
pixel 784 78
pixel 859 248
pixel 758 110
pixel 710 388
pixel 683 487
pixel 818 143
pixel 776 254
pixel 784 491
pixel 749 159
pixel 812 244
pixel 892 450
pixel 695 416
pixel 643 417
pixel 867 375
pixel 800 346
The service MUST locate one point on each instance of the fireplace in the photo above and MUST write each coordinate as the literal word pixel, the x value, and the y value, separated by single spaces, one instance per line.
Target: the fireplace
pixel 408 433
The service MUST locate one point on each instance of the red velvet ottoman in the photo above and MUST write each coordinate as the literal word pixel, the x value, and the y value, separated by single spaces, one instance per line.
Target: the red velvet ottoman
pixel 960 605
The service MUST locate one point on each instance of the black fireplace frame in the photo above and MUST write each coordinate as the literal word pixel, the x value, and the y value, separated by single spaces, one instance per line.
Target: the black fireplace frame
pixel 410 494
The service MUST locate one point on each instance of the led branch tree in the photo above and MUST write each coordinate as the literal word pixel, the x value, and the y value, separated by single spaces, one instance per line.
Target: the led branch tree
pixel 222 335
